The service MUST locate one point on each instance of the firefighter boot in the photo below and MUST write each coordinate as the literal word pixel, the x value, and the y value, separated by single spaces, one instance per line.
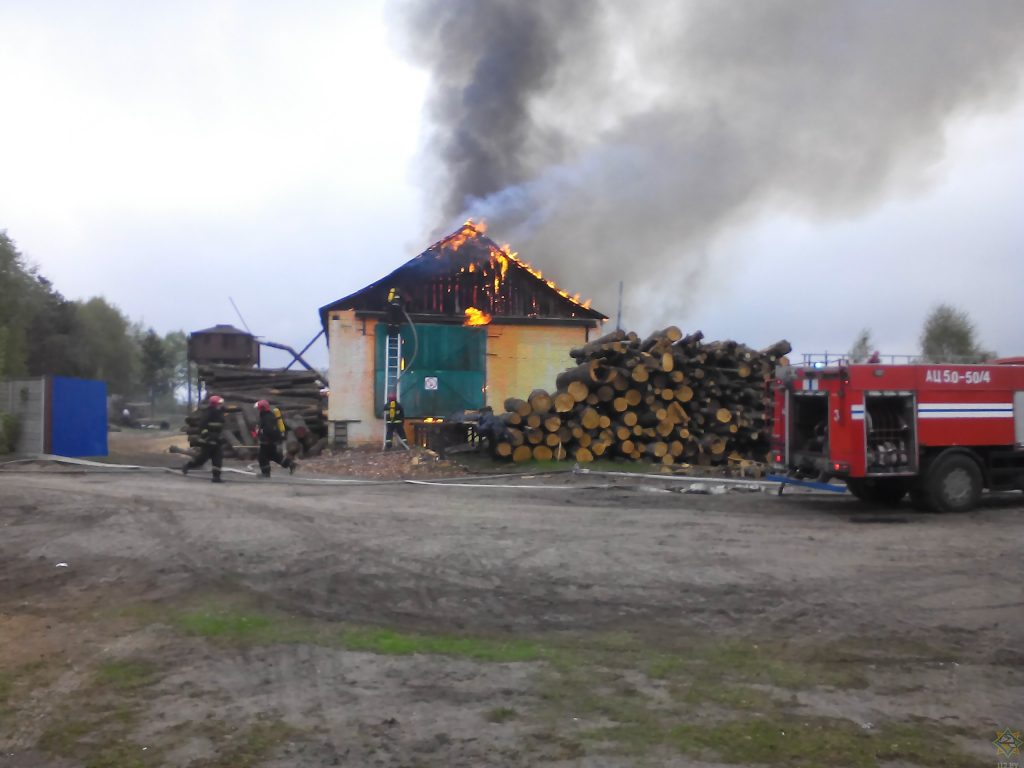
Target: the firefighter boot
pixel 292 466
pixel 184 469
pixel 216 477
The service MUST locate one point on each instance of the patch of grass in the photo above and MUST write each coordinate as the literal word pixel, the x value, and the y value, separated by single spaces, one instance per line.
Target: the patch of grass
pixel 126 674
pixel 732 697
pixel 501 715
pixel 795 740
pixel 62 738
pixel 6 686
pixel 665 667
pixel 15 683
pixel 244 747
pixel 395 643
pixel 752 663
pixel 94 725
pixel 820 741
pixel 700 693
pixel 238 626
pixel 249 627
pixel 99 741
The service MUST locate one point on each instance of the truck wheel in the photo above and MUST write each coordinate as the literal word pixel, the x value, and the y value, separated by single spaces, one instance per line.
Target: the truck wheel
pixel 954 484
pixel 873 490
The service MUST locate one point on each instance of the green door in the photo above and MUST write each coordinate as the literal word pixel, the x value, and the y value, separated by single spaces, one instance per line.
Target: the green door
pixel 445 369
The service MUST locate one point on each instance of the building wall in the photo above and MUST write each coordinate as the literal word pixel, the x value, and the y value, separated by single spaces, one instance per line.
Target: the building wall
pixel 26 399
pixel 521 358
pixel 351 375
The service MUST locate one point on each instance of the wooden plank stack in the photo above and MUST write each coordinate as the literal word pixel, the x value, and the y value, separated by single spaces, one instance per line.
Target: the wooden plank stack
pixel 667 398
pixel 296 393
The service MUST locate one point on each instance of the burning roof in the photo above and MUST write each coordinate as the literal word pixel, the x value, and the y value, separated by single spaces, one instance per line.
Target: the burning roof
pixel 470 277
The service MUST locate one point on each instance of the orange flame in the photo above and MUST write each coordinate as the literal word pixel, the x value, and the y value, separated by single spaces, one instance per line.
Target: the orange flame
pixel 476 316
pixel 513 256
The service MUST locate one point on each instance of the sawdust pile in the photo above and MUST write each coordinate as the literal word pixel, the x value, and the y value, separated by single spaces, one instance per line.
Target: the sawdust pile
pixel 373 464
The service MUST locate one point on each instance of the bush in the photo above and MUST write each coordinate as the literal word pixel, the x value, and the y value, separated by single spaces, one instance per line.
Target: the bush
pixel 10 431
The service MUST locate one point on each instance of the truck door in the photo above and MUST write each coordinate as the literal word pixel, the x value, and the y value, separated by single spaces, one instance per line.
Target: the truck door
pixel 808 431
pixel 890 433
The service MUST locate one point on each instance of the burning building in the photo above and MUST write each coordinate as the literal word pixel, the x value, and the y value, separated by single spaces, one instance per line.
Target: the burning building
pixel 485 325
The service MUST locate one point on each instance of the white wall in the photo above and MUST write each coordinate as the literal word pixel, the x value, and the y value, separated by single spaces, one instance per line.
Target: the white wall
pixel 351 375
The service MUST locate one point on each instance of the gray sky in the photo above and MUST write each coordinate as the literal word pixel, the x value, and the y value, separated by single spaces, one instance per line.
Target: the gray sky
pixel 167 156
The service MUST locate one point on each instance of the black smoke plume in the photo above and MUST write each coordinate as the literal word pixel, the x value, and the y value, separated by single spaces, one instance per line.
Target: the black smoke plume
pixel 616 140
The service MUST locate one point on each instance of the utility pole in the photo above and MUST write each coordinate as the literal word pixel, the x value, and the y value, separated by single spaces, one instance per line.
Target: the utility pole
pixel 618 317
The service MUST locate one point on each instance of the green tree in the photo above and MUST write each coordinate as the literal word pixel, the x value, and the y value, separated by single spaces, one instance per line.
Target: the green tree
pixel 861 349
pixel 51 328
pixel 15 288
pixel 176 347
pixel 109 350
pixel 949 337
pixel 154 368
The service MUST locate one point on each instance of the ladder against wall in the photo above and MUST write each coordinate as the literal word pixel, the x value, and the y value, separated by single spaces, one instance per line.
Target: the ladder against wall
pixel 392 364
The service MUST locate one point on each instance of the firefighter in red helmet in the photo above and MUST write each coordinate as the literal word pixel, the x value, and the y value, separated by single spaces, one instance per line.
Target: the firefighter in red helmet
pixel 271 433
pixel 211 424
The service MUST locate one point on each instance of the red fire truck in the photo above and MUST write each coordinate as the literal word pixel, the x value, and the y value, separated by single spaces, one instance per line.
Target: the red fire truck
pixel 941 433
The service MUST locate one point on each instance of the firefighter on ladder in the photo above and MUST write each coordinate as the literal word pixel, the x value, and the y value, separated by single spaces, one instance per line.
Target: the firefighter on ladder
pixel 395 310
pixel 271 435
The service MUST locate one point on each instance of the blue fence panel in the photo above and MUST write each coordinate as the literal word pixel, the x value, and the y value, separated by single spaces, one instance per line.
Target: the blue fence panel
pixel 78 417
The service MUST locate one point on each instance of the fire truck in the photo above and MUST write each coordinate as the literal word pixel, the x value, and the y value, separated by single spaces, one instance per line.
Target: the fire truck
pixel 940 433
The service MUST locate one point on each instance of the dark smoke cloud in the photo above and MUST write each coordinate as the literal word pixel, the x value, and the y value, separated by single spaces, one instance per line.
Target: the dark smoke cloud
pixel 611 141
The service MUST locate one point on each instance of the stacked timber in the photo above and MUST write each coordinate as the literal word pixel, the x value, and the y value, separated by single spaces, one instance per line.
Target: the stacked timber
pixel 666 398
pixel 296 393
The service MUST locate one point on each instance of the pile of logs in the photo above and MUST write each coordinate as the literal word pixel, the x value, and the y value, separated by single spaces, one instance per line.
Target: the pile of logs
pixel 669 399
pixel 296 393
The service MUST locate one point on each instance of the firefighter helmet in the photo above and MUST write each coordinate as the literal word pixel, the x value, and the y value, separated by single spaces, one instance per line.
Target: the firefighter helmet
pixel 216 400
pixel 262 405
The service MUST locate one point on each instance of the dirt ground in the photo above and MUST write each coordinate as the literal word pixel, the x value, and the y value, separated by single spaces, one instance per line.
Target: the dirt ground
pixel 152 619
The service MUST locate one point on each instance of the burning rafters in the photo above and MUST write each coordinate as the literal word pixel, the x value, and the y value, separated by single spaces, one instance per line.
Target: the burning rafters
pixel 475 231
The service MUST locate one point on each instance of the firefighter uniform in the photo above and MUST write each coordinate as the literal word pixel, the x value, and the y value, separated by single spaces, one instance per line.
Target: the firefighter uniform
pixel 211 424
pixel 394 416
pixel 271 436
pixel 394 310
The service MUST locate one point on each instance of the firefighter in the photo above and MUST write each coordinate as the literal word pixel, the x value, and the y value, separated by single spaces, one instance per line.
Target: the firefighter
pixel 394 311
pixel 211 423
pixel 271 434
pixel 394 416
